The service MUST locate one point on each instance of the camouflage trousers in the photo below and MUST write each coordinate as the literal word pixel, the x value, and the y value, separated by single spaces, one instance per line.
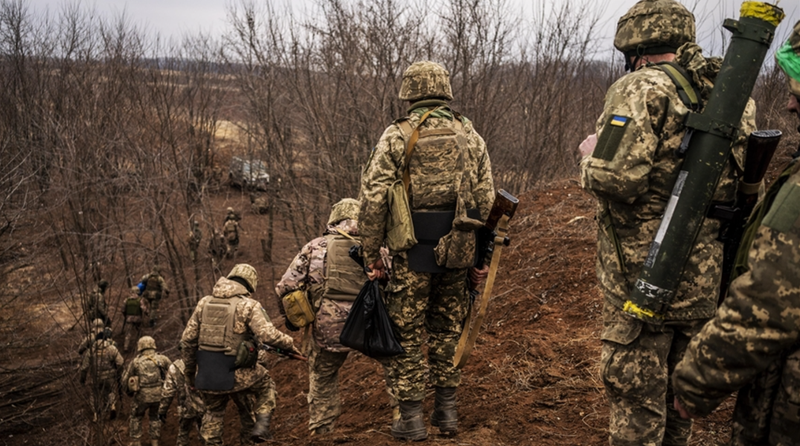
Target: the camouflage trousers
pixel 132 332
pixel 138 410
pixel 153 300
pixel 258 399
pixel 636 364
pixel 185 427
pixel 103 397
pixel 419 303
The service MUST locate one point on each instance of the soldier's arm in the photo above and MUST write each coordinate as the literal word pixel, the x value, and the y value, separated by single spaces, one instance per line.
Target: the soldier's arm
pixel 295 277
pixel 169 389
pixel 264 331
pixel 755 325
pixel 189 343
pixel 484 189
pixel 619 167
pixel 381 171
pixel 84 345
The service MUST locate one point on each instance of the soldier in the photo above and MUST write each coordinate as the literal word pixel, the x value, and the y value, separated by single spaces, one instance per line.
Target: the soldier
pixel 754 338
pixel 96 327
pixel 631 175
pixel 103 363
pixel 190 404
pixel 143 380
pixel 322 259
pixel 219 351
pixel 136 309
pixel 448 175
pixel 231 232
pixel 259 204
pixel 154 289
pixel 217 246
pixel 194 239
pixel 96 307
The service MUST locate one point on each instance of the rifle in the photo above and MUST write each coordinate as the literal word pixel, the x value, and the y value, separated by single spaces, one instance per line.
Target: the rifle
pixel 760 147
pixel 291 354
pixel 491 238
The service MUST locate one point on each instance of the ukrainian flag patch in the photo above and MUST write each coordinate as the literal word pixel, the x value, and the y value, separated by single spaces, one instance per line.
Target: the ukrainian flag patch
pixel 618 121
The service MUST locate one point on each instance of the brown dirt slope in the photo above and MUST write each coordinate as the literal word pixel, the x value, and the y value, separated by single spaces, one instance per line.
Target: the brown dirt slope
pixel 532 378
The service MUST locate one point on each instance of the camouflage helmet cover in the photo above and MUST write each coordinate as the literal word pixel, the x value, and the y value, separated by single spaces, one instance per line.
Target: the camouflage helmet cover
pixel 346 208
pixel 788 58
pixel 98 325
pixel 425 80
pixel 245 272
pixel 654 27
pixel 156 269
pixel 135 290
pixel 146 342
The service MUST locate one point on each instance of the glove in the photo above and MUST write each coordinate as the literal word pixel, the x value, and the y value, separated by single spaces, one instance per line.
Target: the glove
pixel 290 326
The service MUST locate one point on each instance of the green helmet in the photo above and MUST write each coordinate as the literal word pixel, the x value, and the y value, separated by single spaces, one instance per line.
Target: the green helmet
pixel 347 208
pixel 654 27
pixel 246 273
pixel 788 58
pixel 145 342
pixel 425 80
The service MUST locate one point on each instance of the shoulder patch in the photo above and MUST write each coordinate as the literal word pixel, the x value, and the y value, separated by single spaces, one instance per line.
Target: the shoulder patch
pixel 784 213
pixel 611 137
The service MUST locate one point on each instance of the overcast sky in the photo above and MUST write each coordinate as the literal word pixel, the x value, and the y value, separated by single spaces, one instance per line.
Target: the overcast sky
pixel 173 18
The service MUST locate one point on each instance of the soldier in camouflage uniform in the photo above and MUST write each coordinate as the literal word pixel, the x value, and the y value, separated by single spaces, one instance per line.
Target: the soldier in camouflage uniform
pixel 231 231
pixel 631 173
pixel 103 363
pixel 96 307
pixel 754 340
pixel 195 236
pixel 259 204
pixel 143 380
pixel 155 288
pixel 214 346
pixel 190 404
pixel 135 310
pixel 332 286
pixel 449 176
pixel 96 327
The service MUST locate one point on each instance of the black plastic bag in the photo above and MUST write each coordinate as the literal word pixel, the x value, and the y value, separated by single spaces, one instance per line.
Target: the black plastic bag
pixel 368 328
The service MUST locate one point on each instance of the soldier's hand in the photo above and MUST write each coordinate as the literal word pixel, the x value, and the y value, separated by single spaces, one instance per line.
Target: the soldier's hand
pixel 681 410
pixel 587 146
pixel 478 275
pixel 377 270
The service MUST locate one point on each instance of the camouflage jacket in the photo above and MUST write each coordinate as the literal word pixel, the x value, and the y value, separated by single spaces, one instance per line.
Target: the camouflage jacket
pixel 148 393
pixel 231 229
pixel 386 165
pixel 162 284
pixel 249 317
pixel 90 338
pixel 634 176
pixel 190 404
pixel 96 307
pixel 102 361
pixel 758 322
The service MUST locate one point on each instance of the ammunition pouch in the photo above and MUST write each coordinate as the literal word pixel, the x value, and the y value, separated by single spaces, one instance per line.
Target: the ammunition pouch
pixel 434 231
pixel 215 371
pixel 246 355
pixel 298 309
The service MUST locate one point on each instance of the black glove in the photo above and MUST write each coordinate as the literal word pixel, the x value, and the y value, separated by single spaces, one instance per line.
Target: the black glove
pixel 290 326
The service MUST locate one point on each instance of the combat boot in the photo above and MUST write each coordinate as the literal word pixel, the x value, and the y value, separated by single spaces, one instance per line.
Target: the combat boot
pixel 444 415
pixel 410 426
pixel 260 431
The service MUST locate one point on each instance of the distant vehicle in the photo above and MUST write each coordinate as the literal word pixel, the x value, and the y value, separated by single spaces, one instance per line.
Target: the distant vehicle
pixel 248 174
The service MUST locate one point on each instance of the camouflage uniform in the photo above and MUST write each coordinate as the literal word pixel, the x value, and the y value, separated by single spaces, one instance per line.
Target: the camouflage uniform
pixel 259 204
pixel 190 405
pixel 97 327
pixel 308 271
pixel 632 178
pixel 155 289
pixel 150 368
pixel 231 231
pixel 253 382
pixel 755 336
pixel 133 322
pixel 103 363
pixel 416 301
pixel 195 236
pixel 96 307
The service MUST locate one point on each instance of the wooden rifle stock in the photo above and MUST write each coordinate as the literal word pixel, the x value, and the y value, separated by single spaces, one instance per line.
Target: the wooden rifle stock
pixel 504 204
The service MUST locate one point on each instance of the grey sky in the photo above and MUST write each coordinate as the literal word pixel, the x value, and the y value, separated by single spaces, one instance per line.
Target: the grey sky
pixel 173 18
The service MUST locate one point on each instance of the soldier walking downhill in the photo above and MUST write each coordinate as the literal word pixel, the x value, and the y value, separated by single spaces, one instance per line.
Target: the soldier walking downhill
pixel 143 380
pixel 333 280
pixel 631 173
pixel 449 177
pixel 753 343
pixel 155 287
pixel 103 363
pixel 218 348
pixel 190 406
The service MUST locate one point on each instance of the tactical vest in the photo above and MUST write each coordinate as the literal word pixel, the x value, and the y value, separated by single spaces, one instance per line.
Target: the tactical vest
pixel 150 372
pixel 153 284
pixel 344 278
pixel 133 307
pixel 216 327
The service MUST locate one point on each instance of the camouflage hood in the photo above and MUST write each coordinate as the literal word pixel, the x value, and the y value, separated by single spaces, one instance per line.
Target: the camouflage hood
pixel 703 71
pixel 347 225
pixel 225 289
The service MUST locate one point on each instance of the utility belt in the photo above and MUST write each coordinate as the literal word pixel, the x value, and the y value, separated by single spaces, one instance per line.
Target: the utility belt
pixel 429 227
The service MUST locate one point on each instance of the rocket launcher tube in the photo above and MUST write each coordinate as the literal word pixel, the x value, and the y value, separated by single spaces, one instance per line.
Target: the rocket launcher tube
pixel 709 147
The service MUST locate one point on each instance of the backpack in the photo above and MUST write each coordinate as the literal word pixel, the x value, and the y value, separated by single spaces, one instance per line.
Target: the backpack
pixel 151 374
pixel 133 307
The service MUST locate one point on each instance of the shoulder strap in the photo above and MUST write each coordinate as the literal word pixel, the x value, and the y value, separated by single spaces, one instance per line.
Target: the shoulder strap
pixel 686 89
pixel 346 234
pixel 412 141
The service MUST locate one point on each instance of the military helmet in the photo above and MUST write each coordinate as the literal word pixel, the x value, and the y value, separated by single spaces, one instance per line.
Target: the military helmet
pixel 788 58
pixel 654 27
pixel 98 325
pixel 156 269
pixel 102 284
pixel 346 208
pixel 231 211
pixel 135 290
pixel 145 342
pixel 425 80
pixel 246 273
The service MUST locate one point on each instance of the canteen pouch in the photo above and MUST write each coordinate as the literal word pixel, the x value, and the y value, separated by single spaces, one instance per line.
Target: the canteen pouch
pixel 246 355
pixel 298 309
pixel 133 385
pixel 399 225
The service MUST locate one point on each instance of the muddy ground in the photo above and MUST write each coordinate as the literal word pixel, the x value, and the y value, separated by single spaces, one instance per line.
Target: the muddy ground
pixel 531 380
